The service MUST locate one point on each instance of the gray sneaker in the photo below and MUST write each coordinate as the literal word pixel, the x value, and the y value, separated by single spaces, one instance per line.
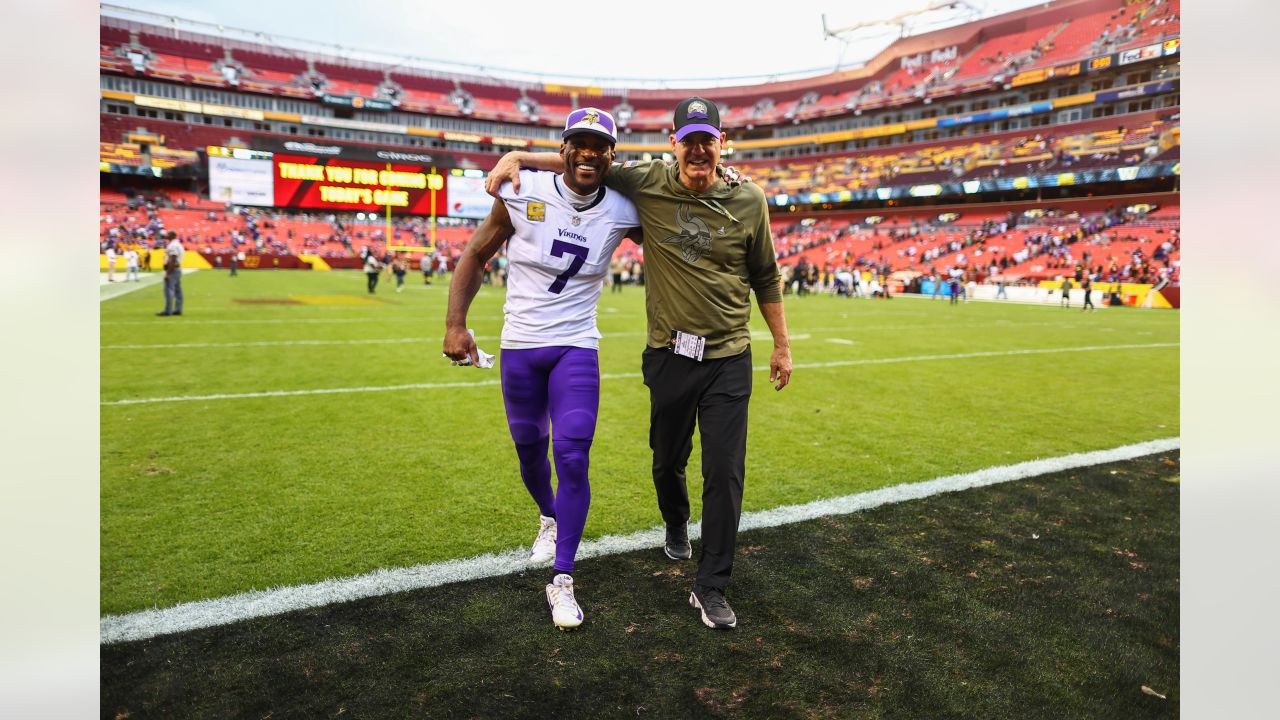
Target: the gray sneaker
pixel 716 612
pixel 677 546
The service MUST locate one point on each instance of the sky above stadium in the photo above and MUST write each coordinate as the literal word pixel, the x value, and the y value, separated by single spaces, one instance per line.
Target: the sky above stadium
pixel 583 43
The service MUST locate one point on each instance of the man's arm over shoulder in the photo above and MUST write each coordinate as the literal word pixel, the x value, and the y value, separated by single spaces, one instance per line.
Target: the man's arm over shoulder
pixel 628 177
pixel 508 168
pixel 520 188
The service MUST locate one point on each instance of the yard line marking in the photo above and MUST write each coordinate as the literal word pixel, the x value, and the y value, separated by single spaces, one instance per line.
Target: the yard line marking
pixel 755 334
pixel 840 341
pixel 289 393
pixel 620 376
pixel 287 321
pixel 264 603
pixel 271 343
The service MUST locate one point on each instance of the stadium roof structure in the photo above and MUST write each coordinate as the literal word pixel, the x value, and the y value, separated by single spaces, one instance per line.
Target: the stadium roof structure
pixel 960 28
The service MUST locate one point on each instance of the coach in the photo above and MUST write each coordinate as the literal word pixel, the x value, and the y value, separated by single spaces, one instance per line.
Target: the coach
pixel 707 246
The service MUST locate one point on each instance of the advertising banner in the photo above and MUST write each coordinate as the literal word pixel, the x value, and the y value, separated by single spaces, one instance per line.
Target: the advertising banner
pixel 1145 90
pixel 1145 52
pixel 357 102
pixel 467 198
pixel 346 152
pixel 241 182
pixel 989 184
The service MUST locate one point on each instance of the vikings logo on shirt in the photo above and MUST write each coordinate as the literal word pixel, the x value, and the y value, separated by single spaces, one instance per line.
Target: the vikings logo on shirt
pixel 698 109
pixel 694 239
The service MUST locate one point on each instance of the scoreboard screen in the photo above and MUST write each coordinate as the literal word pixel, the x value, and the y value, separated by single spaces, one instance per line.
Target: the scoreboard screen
pixel 333 184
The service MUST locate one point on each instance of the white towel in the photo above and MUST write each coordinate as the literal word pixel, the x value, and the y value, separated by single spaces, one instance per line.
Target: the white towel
pixel 486 360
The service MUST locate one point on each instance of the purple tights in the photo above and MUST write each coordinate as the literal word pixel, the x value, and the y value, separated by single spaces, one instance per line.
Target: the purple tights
pixel 555 389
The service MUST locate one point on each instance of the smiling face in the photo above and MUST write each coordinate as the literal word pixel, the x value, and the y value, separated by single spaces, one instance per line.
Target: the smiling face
pixel 586 157
pixel 697 156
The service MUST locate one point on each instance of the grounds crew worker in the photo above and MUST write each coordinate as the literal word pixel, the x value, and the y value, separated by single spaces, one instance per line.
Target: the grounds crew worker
pixel 707 246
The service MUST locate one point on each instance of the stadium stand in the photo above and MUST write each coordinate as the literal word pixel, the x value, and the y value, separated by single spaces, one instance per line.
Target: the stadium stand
pixel 947 67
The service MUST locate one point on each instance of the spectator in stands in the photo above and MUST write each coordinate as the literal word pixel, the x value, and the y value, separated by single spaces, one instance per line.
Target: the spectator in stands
pixel 173 253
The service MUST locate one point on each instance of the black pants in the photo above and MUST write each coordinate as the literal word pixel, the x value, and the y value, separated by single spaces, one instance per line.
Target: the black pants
pixel 715 395
pixel 373 280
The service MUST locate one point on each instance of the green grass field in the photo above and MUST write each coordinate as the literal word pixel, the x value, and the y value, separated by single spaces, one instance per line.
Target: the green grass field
pixel 205 498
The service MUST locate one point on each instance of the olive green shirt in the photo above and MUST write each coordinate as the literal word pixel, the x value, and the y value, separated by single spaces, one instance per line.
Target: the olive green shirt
pixel 703 255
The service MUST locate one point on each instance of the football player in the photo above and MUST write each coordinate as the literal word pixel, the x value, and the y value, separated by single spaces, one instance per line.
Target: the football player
pixel 561 232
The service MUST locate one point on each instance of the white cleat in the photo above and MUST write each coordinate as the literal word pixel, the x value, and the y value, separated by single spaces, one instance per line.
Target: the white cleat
pixel 565 612
pixel 544 546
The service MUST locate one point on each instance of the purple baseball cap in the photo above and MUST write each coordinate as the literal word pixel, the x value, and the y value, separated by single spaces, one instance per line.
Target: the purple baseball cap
pixel 591 120
pixel 696 115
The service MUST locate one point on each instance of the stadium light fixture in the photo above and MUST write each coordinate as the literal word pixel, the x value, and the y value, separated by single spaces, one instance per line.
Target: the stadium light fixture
pixel 902 20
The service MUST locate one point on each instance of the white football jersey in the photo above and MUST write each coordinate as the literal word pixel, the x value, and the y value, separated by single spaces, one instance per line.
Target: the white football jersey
pixel 557 261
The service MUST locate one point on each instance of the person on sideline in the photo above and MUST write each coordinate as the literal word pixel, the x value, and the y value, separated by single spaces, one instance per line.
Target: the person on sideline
pixel 372 268
pixel 707 247
pixel 399 266
pixel 111 261
pixel 562 231
pixel 173 253
pixel 131 263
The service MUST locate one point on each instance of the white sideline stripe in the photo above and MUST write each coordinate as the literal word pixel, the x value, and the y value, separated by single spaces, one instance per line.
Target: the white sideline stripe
pixel 965 356
pixel 124 287
pixel 755 334
pixel 620 376
pixel 262 603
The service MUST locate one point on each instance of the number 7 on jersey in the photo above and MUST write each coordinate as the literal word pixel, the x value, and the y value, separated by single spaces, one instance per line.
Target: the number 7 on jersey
pixel 558 249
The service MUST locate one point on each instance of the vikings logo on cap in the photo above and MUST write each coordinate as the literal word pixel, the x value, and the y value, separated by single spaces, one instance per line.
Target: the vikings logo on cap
pixel 590 120
pixel 696 115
